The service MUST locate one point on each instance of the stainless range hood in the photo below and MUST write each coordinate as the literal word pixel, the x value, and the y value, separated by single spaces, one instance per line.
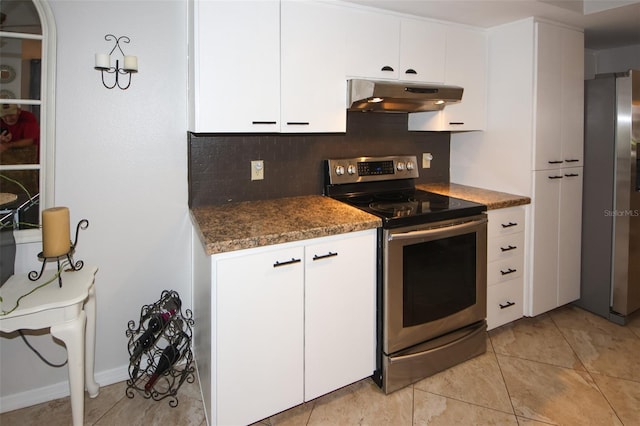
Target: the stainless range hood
pixel 389 96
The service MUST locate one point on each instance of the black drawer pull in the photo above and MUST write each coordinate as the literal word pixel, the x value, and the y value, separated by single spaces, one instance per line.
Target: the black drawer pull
pixel 508 248
pixel 410 71
pixel 508 271
pixel 509 225
pixel 555 162
pixel 572 160
pixel 506 305
pixel 572 175
pixel 386 68
pixel 456 123
pixel 263 122
pixel 555 177
pixel 324 256
pixel 288 262
pixel 297 123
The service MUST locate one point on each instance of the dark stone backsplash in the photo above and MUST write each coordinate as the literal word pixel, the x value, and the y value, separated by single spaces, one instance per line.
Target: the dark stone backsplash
pixel 219 164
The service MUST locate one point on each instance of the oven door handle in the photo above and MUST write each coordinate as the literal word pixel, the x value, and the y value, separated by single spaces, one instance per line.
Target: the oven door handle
pixel 427 232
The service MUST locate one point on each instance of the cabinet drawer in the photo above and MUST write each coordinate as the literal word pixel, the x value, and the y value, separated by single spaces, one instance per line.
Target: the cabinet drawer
pixel 505 247
pixel 505 221
pixel 504 303
pixel 505 270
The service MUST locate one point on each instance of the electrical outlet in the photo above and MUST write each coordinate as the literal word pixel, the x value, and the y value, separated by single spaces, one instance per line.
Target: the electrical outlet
pixel 257 170
pixel 426 160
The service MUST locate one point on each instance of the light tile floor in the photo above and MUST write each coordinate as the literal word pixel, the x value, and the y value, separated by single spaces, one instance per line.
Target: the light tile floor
pixel 566 367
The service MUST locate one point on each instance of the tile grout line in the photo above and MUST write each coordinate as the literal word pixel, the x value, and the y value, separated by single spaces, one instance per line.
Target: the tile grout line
pixel 564 337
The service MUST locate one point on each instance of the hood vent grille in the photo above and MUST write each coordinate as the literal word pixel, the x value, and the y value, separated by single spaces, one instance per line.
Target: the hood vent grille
pixel 386 96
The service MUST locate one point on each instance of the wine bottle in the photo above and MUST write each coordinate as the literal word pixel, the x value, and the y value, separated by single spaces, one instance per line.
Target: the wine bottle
pixel 168 357
pixel 143 343
pixel 172 304
pixel 157 321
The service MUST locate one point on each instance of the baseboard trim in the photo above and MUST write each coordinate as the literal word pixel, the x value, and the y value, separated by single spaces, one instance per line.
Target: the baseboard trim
pixel 58 390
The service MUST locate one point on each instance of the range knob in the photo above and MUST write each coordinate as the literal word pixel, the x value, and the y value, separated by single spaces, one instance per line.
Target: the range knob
pixel 410 165
pixel 351 169
pixel 339 170
pixel 400 166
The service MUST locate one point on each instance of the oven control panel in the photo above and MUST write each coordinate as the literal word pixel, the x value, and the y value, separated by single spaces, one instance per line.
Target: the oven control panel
pixel 370 169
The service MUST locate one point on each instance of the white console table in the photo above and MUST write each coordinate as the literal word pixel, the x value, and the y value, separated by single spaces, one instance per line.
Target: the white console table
pixel 69 312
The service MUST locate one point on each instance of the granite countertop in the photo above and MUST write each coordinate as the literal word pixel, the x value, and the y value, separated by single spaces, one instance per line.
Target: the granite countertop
pixel 248 224
pixel 492 199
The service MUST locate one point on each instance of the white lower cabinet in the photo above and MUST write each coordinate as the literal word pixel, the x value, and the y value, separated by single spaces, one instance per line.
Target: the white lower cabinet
pixel 557 234
pixel 288 323
pixel 505 257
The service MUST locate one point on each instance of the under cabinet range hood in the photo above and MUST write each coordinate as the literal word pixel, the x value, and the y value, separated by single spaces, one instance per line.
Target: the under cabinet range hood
pixel 390 96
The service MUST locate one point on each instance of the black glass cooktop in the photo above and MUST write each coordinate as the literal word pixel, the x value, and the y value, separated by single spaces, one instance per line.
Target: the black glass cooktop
pixel 411 206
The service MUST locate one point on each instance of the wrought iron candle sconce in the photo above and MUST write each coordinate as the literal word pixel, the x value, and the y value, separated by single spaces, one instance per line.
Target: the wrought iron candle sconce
pixel 129 64
pixel 76 266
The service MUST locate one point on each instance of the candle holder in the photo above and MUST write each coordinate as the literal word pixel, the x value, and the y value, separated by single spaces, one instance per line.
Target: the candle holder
pixel 103 63
pixel 74 266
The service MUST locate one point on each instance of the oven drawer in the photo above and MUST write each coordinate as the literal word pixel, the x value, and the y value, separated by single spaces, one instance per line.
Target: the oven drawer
pixel 505 221
pixel 505 247
pixel 504 303
pixel 505 270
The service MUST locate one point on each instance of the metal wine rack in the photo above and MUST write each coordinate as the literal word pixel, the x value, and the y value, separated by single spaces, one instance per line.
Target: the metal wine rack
pixel 161 340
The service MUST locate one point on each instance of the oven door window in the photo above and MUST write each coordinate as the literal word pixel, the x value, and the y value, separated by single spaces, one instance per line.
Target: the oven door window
pixel 439 278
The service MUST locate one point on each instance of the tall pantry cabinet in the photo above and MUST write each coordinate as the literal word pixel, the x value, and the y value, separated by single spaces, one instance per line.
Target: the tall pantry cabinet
pixel 533 146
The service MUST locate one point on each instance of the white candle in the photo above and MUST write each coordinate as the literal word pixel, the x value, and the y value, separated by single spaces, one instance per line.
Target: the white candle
pixel 131 63
pixel 103 61
pixel 55 232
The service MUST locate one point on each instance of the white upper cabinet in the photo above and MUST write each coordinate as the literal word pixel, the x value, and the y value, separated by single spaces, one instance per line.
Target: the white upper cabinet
pixel 373 42
pixel 235 76
pixel 313 54
pixel 465 66
pixel 559 97
pixel 422 51
pixel 382 46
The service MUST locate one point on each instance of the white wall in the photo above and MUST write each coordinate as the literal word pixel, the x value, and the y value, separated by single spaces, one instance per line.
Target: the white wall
pixel 121 163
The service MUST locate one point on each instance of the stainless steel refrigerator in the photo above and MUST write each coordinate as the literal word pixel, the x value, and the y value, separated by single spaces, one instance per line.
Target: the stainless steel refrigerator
pixel 610 283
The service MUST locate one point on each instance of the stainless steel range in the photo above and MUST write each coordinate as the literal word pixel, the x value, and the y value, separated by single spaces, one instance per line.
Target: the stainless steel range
pixel 432 276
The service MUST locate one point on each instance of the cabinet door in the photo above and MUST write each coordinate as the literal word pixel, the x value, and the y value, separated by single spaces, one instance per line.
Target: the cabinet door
pixel 465 66
pixel 546 232
pixel 569 252
pixel 572 98
pixel 373 44
pixel 422 51
pixel 259 344
pixel 339 313
pixel 237 66
pixel 548 144
pixel 313 72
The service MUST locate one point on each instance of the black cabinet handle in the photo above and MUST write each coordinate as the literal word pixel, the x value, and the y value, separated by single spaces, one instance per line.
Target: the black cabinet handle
pixel 410 71
pixel 508 271
pixel 555 162
pixel 572 160
pixel 297 123
pixel 386 68
pixel 456 123
pixel 506 305
pixel 287 262
pixel 508 248
pixel 324 256
pixel 571 175
pixel 263 122
pixel 555 177
pixel 509 225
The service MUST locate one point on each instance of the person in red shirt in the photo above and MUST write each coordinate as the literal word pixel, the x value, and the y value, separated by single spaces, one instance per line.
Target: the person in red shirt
pixel 19 128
